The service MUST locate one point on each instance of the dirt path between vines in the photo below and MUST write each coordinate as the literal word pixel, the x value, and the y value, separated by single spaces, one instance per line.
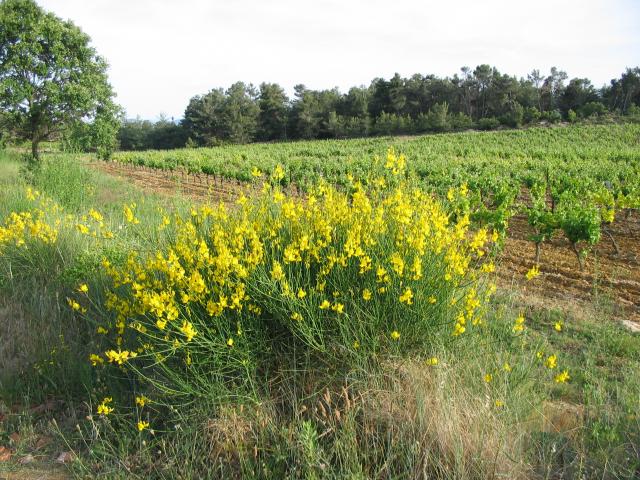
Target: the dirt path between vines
pixel 608 280
pixel 27 473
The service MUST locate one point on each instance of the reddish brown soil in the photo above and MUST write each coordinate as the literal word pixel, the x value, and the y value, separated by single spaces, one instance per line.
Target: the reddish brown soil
pixel 194 186
pixel 160 181
pixel 607 278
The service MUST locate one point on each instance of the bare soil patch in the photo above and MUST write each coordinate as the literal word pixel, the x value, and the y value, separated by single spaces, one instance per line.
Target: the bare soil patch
pixel 606 278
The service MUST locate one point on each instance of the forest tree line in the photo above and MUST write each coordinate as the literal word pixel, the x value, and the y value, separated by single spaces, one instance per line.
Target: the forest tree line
pixel 482 98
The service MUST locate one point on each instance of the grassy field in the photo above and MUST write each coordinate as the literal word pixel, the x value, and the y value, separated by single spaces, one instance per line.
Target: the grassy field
pixel 324 336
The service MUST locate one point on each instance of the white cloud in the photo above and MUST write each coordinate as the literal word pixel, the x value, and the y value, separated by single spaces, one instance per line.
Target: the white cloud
pixel 162 52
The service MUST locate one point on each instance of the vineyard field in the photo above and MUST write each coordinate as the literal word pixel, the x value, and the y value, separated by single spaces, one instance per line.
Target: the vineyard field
pixel 593 153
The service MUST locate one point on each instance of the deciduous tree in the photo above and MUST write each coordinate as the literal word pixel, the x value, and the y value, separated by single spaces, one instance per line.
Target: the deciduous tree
pixel 51 78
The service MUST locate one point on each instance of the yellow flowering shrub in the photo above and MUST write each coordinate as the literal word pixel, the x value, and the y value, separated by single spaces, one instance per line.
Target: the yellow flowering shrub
pixel 44 220
pixel 338 274
pixel 34 224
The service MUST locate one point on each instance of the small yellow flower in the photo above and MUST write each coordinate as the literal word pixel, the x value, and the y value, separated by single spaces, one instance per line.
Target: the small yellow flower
pixel 506 367
pixel 256 173
pixel 296 317
pixel 119 357
pixel 407 297
pixel 338 308
pixel 276 272
pixel 562 377
pixel 518 325
pixel 142 425
pixel 96 359
pixel 533 273
pixel 366 294
pixel 551 362
pixel 356 345
pixel 558 326
pixel 459 329
pixel 395 335
pixel 83 288
pixel 499 403
pixel 230 342
pixel 141 401
pixel 432 300
pixel 488 377
pixel 488 267
pixel 325 305
pixel 104 409
pixel 301 293
pixel 188 330
pixel 278 173
pixel 83 229
pixel 129 216
pixel 73 304
pixel 433 361
pixel 451 194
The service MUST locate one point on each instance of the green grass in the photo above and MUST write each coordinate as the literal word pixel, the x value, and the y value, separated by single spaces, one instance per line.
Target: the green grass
pixel 604 358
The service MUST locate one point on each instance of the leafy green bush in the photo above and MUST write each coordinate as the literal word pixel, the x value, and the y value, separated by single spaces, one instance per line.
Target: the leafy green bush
pixel 489 123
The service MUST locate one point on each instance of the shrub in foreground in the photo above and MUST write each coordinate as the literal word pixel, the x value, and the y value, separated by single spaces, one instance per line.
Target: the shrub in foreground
pixel 332 278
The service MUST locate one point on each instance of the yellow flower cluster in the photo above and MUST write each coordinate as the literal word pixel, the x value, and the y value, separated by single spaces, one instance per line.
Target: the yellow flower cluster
pixel 129 215
pixel 119 356
pixel 92 224
pixel 562 377
pixel 395 163
pixel 518 325
pixel 20 227
pixel 551 362
pixel 532 273
pixel 104 408
pixel 43 222
pixel 360 266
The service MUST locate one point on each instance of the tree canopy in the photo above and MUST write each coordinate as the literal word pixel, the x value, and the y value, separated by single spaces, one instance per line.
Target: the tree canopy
pixel 483 98
pixel 51 79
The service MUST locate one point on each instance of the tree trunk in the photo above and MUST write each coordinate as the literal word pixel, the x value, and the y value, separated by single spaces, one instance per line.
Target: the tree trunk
pixel 577 252
pixel 35 141
pixel 613 240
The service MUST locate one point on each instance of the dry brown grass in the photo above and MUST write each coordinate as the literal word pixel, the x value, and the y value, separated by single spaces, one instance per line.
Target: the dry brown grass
pixel 413 420
pixel 234 432
pixel 18 341
pixel 459 434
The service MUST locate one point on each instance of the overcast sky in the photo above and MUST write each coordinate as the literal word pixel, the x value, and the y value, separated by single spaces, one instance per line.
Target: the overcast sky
pixel 163 52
